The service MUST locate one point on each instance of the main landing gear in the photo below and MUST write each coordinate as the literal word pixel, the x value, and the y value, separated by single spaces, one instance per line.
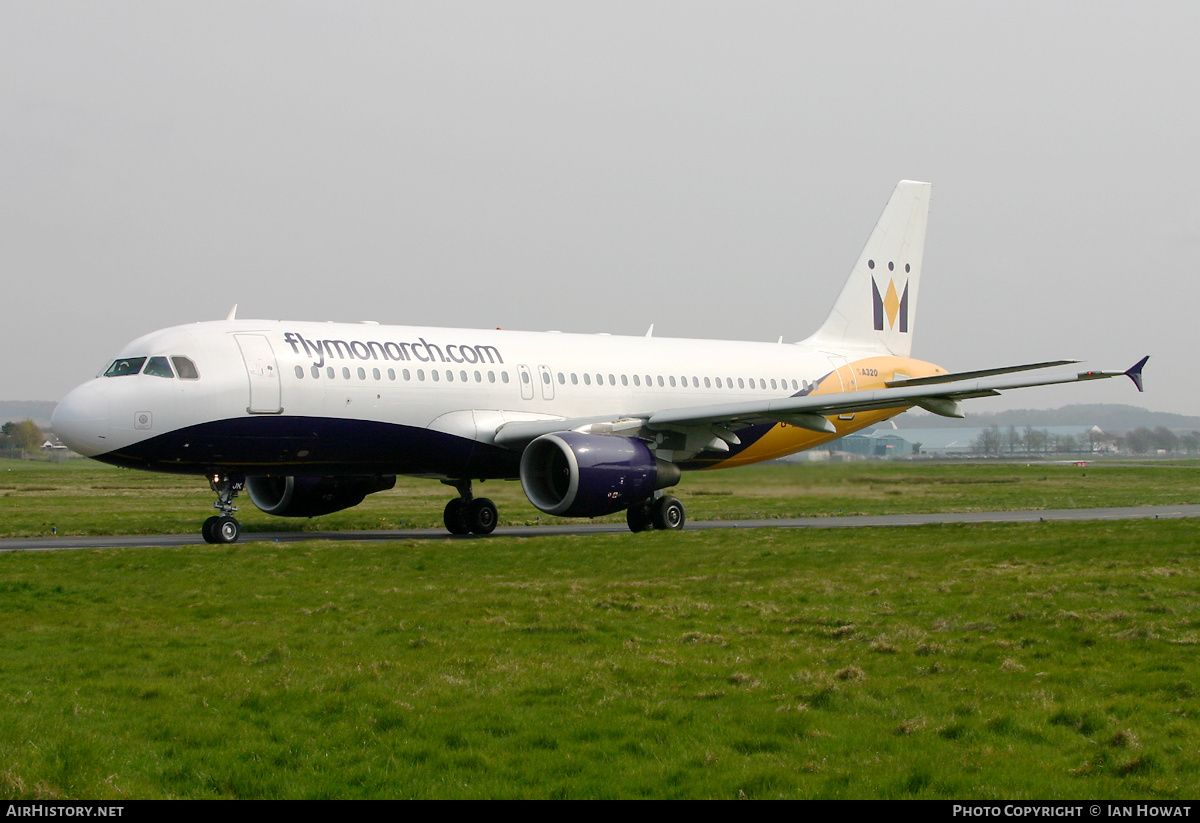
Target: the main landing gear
pixel 469 515
pixel 223 528
pixel 665 512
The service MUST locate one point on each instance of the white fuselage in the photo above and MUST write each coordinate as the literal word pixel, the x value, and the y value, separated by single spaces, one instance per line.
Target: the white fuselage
pixel 459 383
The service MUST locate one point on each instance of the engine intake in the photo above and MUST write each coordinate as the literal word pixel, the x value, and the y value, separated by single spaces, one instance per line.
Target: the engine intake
pixel 588 475
pixel 312 496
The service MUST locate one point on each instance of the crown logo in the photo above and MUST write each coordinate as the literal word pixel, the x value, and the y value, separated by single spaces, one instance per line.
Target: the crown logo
pixel 891 305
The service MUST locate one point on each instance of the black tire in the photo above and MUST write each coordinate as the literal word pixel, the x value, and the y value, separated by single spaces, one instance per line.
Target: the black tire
pixel 226 530
pixel 209 530
pixel 639 518
pixel 668 513
pixel 481 516
pixel 455 517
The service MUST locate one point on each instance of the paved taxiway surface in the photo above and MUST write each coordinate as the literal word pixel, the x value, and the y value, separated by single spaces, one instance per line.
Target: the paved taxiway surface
pixel 49 543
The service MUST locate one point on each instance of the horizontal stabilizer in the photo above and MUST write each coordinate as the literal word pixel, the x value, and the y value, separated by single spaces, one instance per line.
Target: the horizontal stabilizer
pixel 974 375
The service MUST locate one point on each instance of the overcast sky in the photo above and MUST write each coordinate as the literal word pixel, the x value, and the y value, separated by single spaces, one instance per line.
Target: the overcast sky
pixel 712 168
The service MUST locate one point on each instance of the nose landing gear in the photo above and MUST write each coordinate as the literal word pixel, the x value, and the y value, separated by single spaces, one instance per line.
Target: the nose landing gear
pixel 223 528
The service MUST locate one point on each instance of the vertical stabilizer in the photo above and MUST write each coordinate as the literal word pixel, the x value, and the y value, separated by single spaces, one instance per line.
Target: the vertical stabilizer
pixel 878 304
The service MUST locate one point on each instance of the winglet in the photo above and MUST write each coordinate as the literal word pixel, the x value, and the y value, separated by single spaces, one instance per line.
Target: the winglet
pixel 232 313
pixel 1135 372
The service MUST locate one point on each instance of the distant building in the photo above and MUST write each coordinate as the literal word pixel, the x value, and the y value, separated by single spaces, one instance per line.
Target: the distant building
pixel 875 443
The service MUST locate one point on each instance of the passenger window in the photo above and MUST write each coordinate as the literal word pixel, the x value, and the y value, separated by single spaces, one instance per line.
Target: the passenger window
pixel 299 372
pixel 159 367
pixel 126 366
pixel 185 368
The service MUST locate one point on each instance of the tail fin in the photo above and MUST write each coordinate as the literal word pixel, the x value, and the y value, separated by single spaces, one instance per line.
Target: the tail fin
pixel 878 304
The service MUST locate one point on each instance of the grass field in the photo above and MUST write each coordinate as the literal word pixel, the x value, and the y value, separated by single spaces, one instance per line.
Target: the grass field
pixel 84 497
pixel 1050 660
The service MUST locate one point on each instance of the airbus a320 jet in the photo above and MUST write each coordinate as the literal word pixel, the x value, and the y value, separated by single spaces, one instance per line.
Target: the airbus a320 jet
pixel 309 418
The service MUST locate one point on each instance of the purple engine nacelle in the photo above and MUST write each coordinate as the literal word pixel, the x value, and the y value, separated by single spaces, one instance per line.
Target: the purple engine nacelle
pixel 312 496
pixel 589 475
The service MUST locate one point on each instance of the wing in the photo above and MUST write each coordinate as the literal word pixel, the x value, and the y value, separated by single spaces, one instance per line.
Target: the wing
pixel 939 394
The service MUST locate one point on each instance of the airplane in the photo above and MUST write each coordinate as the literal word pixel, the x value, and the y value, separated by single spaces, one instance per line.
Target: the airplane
pixel 309 418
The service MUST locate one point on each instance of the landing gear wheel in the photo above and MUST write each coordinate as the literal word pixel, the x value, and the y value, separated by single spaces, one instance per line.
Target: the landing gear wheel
pixel 668 513
pixel 481 516
pixel 226 530
pixel 455 517
pixel 639 517
pixel 221 530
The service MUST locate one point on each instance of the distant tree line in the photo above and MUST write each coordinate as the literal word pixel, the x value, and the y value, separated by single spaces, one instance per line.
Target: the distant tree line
pixel 23 435
pixel 1144 441
pixel 1027 441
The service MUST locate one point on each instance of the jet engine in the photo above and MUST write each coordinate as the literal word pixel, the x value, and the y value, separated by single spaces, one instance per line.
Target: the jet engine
pixel 312 496
pixel 587 475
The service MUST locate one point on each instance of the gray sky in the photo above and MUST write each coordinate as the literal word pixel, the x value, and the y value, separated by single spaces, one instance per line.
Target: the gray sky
pixel 712 168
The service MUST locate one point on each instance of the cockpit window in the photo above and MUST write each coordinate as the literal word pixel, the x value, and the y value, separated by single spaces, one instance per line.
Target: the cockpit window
pixel 158 367
pixel 124 366
pixel 185 368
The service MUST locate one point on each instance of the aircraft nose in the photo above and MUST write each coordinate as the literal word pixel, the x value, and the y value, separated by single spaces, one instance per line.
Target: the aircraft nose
pixel 81 419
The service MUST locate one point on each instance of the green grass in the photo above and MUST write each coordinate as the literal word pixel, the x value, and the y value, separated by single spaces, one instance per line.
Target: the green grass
pixel 1052 660
pixel 83 497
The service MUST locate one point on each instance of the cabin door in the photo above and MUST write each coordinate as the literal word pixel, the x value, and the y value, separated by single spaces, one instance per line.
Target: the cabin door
pixel 263 373
pixel 547 381
pixel 526 379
